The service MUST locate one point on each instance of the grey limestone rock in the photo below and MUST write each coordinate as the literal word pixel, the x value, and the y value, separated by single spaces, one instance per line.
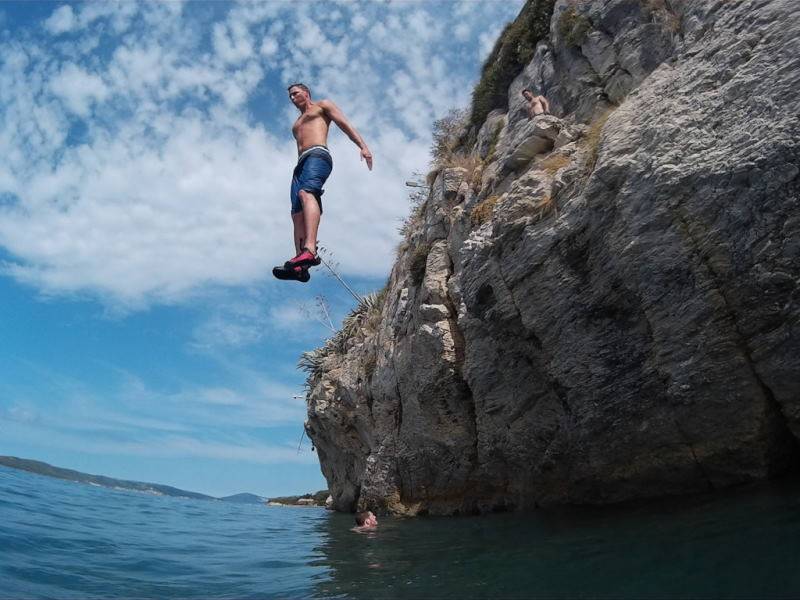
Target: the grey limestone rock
pixel 639 338
pixel 490 133
pixel 534 136
pixel 623 41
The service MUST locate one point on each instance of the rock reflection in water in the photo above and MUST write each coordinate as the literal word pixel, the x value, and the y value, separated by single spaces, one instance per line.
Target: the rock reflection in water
pixel 736 545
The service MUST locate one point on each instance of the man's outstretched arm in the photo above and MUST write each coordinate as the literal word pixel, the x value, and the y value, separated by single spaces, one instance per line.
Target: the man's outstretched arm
pixel 337 116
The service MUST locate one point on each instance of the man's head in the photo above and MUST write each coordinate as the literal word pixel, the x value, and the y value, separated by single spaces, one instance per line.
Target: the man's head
pixel 299 94
pixel 527 94
pixel 366 519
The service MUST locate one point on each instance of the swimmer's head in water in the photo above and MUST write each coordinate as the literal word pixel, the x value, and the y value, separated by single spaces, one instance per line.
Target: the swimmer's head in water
pixel 366 519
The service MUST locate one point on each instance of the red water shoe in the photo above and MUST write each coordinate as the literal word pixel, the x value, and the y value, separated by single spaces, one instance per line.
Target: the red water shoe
pixel 306 258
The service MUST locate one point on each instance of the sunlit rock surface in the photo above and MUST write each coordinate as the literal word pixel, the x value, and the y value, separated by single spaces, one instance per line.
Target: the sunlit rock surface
pixel 608 310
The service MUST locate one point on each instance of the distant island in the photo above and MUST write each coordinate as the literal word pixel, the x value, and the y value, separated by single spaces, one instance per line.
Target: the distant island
pixel 316 499
pixel 42 468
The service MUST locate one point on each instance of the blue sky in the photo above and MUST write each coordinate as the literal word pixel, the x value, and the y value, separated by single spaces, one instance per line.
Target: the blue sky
pixel 146 156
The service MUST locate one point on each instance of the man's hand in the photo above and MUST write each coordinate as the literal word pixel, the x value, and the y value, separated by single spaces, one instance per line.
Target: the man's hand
pixel 367 156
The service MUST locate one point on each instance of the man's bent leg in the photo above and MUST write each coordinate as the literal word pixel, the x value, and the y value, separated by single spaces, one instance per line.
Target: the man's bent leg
pixel 310 216
pixel 299 231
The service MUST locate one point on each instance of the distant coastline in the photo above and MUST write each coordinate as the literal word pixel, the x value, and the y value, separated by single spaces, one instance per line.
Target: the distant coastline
pixel 157 489
pixel 317 499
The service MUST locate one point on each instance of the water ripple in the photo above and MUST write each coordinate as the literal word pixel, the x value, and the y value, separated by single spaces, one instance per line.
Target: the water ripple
pixel 63 540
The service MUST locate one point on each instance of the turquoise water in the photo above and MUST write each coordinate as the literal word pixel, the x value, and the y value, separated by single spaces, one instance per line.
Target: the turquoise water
pixel 66 540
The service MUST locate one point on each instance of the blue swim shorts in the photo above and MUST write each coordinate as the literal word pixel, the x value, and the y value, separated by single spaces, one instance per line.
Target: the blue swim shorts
pixel 313 167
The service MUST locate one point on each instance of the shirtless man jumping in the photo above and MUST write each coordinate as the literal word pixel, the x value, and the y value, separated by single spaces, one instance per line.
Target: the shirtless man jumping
pixel 537 105
pixel 314 165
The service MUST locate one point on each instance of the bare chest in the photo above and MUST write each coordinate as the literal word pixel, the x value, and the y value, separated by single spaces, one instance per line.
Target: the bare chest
pixel 310 121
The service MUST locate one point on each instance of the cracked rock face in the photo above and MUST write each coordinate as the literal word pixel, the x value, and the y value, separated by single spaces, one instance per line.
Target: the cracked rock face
pixel 610 317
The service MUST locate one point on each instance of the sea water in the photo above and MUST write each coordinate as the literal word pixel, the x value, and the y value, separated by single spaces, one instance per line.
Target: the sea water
pixel 60 539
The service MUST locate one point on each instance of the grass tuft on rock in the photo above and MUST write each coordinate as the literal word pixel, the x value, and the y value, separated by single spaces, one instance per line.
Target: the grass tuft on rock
pixel 546 206
pixel 482 211
pixel 553 163
pixel 363 320
pixel 591 141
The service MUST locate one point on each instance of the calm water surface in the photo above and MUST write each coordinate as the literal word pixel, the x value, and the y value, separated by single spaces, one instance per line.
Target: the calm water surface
pixel 66 540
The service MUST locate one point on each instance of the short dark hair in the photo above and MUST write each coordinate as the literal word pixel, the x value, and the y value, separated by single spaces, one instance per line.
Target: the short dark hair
pixel 302 86
pixel 361 518
pixel 529 90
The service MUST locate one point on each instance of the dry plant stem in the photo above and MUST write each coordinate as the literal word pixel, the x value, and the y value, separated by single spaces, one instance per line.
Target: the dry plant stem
pixel 335 274
pixel 317 315
pixel 323 306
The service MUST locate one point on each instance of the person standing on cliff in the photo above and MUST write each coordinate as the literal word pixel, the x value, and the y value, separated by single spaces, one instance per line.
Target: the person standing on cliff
pixel 314 166
pixel 537 105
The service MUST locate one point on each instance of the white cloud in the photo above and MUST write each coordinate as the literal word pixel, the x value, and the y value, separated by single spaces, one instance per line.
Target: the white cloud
pixel 269 47
pixel 142 176
pixel 359 22
pixel 195 421
pixel 232 42
pixel 18 413
pixel 61 21
pixel 120 13
pixel 461 31
pixel 288 316
pixel 235 321
pixel 78 88
pixel 487 39
pixel 238 450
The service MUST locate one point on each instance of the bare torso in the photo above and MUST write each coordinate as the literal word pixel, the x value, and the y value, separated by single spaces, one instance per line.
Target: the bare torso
pixel 538 106
pixel 311 128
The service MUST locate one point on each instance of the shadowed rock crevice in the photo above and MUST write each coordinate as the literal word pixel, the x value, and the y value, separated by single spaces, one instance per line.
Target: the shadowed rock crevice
pixel 690 447
pixel 776 423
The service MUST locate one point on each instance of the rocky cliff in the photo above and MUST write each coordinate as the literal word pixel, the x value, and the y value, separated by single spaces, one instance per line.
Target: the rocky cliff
pixel 598 306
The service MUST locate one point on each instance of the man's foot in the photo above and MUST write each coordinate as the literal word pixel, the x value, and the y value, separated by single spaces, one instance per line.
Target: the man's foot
pixel 306 258
pixel 300 274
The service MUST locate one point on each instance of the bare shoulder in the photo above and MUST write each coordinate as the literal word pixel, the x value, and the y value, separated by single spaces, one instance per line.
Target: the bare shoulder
pixel 328 106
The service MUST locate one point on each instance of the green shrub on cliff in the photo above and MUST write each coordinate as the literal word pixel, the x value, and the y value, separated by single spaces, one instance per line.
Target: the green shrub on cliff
pixel 512 51
pixel 362 320
pixel 573 27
